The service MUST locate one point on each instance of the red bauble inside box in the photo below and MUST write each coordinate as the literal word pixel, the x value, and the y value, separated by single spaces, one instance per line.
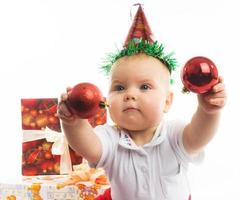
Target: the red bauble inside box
pixel 199 75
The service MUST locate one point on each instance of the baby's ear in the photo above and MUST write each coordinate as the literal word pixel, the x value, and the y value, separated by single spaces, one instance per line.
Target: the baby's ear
pixel 168 102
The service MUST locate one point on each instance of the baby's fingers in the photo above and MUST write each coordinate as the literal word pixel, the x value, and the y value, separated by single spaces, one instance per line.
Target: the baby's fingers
pixel 213 98
pixel 218 101
pixel 68 89
pixel 219 87
pixel 63 110
pixel 64 97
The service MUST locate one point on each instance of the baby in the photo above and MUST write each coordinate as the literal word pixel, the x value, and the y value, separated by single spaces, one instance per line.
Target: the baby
pixel 145 156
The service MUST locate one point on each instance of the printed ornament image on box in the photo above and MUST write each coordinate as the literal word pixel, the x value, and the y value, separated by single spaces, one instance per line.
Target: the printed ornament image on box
pixel 45 150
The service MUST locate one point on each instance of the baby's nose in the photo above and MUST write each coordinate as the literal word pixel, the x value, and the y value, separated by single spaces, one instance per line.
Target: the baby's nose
pixel 130 97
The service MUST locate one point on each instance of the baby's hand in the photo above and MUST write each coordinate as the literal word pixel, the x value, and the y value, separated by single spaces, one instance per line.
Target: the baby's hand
pixel 63 112
pixel 213 101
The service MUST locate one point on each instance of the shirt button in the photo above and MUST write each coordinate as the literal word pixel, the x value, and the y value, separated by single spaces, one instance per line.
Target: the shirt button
pixel 143 169
pixel 145 186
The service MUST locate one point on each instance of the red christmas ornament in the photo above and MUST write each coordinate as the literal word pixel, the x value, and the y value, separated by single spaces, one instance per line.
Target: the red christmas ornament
pixel 98 119
pixel 52 109
pixel 199 75
pixel 75 158
pixel 85 100
pixel 57 168
pixel 34 156
pixel 48 155
pixel 30 103
pixel 30 145
pixel 56 158
pixel 52 119
pixel 47 166
pixel 30 171
pixel 27 119
pixel 41 120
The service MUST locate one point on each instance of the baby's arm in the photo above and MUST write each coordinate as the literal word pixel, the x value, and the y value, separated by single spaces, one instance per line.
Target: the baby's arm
pixel 79 133
pixel 205 121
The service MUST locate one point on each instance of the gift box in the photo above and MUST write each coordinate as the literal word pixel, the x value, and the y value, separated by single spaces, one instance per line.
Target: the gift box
pixel 45 150
pixel 84 184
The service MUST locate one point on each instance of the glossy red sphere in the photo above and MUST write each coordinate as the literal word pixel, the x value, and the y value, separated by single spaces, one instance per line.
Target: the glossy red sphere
pixel 84 100
pixel 199 75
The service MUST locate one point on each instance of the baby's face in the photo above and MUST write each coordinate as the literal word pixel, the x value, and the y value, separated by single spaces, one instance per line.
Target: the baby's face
pixel 139 92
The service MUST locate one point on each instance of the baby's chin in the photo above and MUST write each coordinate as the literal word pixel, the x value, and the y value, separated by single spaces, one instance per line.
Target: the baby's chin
pixel 131 128
pixel 138 127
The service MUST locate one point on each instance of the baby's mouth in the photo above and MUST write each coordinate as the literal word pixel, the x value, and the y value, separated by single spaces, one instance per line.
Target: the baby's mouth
pixel 131 109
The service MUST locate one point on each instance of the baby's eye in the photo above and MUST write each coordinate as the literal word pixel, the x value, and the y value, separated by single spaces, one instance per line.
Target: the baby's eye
pixel 145 87
pixel 119 88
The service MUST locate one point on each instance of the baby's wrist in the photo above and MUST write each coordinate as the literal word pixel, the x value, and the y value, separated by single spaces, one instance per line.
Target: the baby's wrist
pixel 208 111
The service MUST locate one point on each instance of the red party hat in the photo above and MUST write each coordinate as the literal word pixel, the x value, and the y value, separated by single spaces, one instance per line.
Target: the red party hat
pixel 140 28
pixel 140 40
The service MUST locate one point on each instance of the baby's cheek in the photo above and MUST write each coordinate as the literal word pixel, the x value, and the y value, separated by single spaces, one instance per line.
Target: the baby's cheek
pixel 153 111
pixel 114 110
pixel 154 107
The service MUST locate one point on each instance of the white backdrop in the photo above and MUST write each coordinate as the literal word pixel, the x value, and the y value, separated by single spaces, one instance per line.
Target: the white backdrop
pixel 47 45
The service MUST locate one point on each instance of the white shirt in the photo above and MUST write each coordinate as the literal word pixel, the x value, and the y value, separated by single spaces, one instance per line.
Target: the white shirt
pixel 154 171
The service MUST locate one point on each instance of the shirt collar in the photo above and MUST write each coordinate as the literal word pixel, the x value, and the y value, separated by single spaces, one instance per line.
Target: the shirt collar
pixel 159 135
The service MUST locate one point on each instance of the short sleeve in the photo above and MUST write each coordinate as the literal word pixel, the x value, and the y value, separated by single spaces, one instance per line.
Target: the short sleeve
pixel 175 133
pixel 109 138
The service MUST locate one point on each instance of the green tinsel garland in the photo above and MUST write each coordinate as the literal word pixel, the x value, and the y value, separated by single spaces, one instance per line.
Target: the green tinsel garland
pixel 141 46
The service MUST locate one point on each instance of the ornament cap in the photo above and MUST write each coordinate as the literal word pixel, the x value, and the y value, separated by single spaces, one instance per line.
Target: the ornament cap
pixel 185 90
pixel 103 104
